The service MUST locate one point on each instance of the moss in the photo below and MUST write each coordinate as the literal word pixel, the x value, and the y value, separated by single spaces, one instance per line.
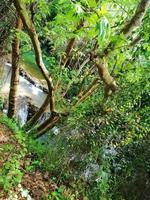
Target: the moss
pixel 29 65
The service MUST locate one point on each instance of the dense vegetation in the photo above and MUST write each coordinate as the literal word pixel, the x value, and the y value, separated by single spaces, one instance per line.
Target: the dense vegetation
pixel 93 58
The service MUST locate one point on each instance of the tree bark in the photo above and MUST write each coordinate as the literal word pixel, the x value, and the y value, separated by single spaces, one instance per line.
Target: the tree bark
pixel 137 18
pixel 15 71
pixel 20 7
pixel 65 60
pixel 110 83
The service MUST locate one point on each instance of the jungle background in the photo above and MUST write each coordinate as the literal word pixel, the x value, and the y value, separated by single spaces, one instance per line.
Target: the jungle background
pixel 75 99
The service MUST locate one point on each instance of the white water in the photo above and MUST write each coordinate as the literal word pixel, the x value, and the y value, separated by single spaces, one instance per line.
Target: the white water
pixel 26 93
pixel 25 88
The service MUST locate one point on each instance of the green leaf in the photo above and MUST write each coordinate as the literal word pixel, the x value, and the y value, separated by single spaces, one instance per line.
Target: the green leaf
pixel 92 3
pixel 102 27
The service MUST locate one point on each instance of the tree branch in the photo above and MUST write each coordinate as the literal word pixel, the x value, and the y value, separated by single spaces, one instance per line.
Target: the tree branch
pixel 66 58
pixel 109 81
pixel 126 30
pixel 137 18
pixel 47 125
pixel 37 115
pixel 87 92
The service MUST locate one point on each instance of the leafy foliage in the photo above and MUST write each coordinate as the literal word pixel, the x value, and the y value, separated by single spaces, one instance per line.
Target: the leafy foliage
pixel 101 149
pixel 10 172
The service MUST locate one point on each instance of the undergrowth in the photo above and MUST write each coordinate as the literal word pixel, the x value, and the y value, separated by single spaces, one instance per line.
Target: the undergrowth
pixel 13 152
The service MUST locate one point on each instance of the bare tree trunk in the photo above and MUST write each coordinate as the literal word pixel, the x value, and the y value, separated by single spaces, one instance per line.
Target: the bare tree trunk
pixel 21 8
pixel 15 71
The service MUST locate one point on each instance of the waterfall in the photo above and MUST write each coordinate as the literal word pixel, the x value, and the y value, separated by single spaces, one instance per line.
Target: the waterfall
pixel 31 89
pixel 22 110
pixel 30 95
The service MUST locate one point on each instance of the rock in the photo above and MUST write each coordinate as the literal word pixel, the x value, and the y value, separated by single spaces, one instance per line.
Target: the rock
pixel 90 174
pixel 31 110
pixel 32 81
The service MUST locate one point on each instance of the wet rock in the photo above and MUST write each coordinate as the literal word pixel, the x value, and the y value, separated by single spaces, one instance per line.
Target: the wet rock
pixel 90 173
pixel 32 81
pixel 45 116
pixel 31 110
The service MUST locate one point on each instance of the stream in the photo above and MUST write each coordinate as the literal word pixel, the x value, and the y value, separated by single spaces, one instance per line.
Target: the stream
pixel 29 98
pixel 25 88
pixel 27 92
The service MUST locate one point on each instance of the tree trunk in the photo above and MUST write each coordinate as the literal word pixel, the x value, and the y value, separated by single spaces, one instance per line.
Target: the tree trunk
pixel 15 71
pixel 21 8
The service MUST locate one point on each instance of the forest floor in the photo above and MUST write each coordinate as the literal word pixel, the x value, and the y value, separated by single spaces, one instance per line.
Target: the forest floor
pixel 33 185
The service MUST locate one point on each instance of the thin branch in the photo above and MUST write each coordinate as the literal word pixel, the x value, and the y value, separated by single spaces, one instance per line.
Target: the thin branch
pixel 121 7
pixel 86 93
pixel 38 114
pixel 87 73
pixel 65 58
pixel 78 73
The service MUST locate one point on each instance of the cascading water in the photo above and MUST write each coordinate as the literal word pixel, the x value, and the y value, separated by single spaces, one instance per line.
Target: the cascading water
pixel 22 115
pixel 28 94
pixel 22 110
pixel 25 88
